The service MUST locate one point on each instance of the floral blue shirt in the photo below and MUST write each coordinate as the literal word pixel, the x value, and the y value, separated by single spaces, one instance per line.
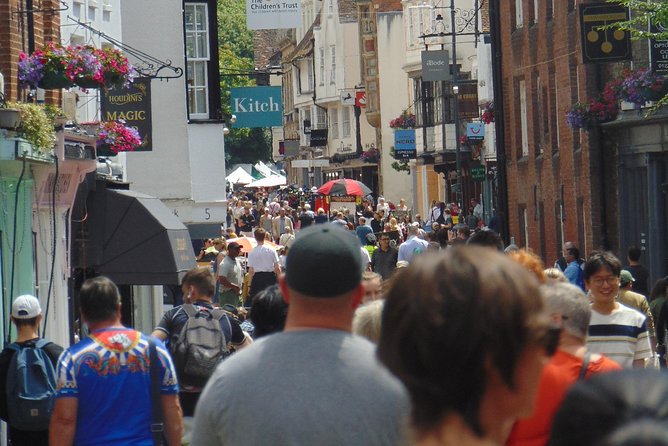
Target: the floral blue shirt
pixel 109 374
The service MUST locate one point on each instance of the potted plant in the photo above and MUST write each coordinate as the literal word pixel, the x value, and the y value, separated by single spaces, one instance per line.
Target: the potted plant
pixel 117 71
pixel 116 137
pixel 579 116
pixel 58 66
pixel 406 120
pixel 37 126
pixel 10 118
pixel 488 112
pixel 370 156
pixel 641 86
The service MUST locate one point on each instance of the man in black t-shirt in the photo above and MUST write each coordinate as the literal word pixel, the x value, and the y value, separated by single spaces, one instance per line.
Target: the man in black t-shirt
pixel 27 316
pixel 198 286
pixel 639 272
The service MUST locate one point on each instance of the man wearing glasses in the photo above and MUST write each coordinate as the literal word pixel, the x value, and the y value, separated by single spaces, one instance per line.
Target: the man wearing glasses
pixel 384 259
pixel 615 330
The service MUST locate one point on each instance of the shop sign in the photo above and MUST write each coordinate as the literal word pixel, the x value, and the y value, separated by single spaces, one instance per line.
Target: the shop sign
pixel 257 106
pixel 468 101
pixel 478 173
pixel 435 66
pixel 318 138
pixel 133 105
pixel 658 50
pixel 475 131
pixel 273 14
pixel 604 45
pixel 404 144
pixel 360 99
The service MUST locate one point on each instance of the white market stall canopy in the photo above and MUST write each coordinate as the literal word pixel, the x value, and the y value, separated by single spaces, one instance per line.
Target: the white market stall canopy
pixel 240 176
pixel 270 181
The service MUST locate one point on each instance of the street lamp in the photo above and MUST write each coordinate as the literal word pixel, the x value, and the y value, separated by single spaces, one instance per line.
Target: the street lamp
pixel 454 31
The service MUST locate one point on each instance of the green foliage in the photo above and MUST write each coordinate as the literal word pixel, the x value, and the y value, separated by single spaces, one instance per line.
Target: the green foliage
pixel 37 126
pixel 644 12
pixel 236 53
pixel 400 165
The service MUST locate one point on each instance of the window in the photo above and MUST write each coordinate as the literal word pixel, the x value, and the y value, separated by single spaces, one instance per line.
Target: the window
pixel 429 109
pixel 197 55
pixel 322 66
pixel 523 118
pixel 519 14
pixel 321 118
pixel 330 6
pixel 334 123
pixel 537 138
pixel 555 119
pixel 535 11
pixel 332 72
pixel 310 82
pixel 346 121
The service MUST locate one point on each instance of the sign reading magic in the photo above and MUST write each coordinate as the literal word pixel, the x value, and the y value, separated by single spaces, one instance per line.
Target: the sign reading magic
pixel 257 106
pixel 132 105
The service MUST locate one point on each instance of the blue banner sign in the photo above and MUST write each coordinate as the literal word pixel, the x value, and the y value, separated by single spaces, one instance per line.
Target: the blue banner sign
pixel 475 130
pixel 404 144
pixel 257 106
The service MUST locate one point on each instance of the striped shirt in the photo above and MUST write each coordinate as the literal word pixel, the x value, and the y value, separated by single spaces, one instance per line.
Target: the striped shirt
pixel 621 335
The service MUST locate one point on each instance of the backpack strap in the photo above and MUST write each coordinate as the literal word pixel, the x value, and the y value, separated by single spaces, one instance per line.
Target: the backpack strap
pixel 157 425
pixel 218 314
pixel 585 365
pixel 189 309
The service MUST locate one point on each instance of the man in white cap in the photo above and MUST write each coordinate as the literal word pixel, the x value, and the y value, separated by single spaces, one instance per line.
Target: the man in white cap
pixel 27 316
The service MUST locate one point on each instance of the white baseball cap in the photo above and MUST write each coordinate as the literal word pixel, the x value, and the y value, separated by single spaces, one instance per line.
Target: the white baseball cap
pixel 26 307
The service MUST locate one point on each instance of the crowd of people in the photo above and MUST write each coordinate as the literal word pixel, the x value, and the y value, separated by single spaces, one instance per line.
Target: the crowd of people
pixel 352 336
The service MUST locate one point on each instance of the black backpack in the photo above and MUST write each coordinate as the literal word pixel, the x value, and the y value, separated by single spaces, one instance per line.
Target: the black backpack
pixel 201 344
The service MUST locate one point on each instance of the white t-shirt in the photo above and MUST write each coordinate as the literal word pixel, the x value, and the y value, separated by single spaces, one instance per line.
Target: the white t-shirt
pixel 262 259
pixel 621 335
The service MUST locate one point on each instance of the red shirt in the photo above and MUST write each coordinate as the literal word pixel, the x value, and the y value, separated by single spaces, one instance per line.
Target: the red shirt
pixel 558 376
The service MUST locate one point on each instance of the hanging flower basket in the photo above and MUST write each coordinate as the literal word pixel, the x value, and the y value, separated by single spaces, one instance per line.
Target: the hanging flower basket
pixel 488 113
pixel 57 66
pixel 641 86
pixel 405 120
pixel 113 137
pixel 370 156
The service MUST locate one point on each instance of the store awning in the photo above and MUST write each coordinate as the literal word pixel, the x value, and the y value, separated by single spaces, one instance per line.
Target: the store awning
pixel 136 239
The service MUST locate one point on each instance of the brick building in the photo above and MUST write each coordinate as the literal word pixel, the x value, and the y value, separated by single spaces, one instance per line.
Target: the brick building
pixel 24 26
pixel 601 189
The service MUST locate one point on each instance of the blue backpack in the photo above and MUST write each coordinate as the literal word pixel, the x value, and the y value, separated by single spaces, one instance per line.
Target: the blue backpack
pixel 31 387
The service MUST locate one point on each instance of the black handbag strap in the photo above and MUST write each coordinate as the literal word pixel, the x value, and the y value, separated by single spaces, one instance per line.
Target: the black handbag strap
pixel 585 365
pixel 157 425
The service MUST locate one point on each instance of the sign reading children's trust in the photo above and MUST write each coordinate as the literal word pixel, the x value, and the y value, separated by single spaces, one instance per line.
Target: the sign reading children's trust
pixel 257 106
pixel 273 14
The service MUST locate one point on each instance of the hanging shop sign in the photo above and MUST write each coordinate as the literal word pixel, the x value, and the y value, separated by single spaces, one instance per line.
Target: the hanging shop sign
pixel 468 101
pixel 133 105
pixel 475 130
pixel 604 45
pixel 347 97
pixel 478 173
pixel 318 138
pixel 404 144
pixel 658 49
pixel 257 106
pixel 360 99
pixel 273 14
pixel 435 66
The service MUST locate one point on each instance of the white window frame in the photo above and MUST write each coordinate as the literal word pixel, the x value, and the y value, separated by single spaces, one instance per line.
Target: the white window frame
pixel 310 82
pixel 203 58
pixel 556 109
pixel 526 228
pixel 535 11
pixel 519 14
pixel 332 71
pixel 321 51
pixel 334 123
pixel 539 106
pixel 345 122
pixel 523 118
pixel 321 119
